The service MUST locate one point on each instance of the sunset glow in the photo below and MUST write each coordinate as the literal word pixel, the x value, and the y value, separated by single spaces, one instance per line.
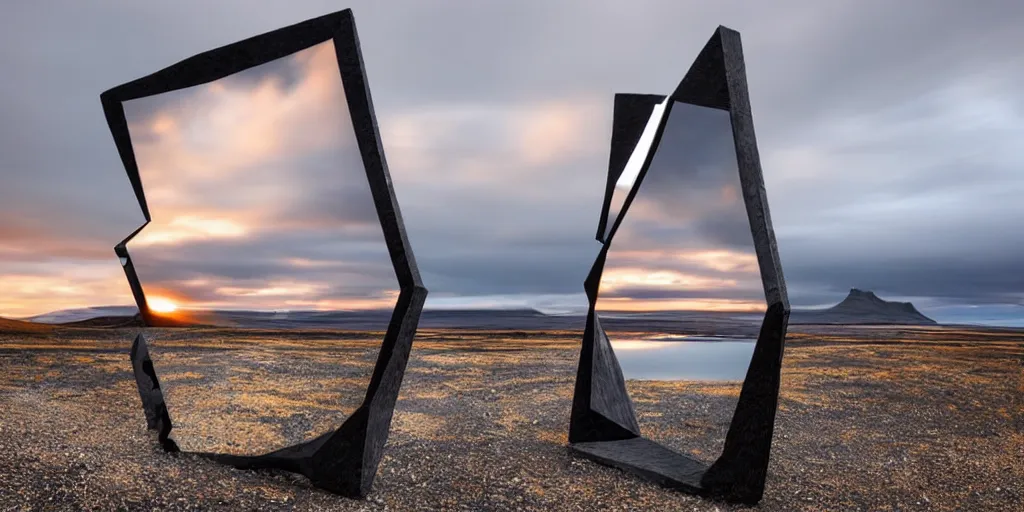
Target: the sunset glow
pixel 685 243
pixel 75 286
pixel 282 290
pixel 714 305
pixel 722 260
pixel 161 305
pixel 258 195
pixel 908 184
pixel 186 228
pixel 617 278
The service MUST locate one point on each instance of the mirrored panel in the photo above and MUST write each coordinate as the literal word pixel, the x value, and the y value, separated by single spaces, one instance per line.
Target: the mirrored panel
pixel 264 234
pixel 632 169
pixel 681 296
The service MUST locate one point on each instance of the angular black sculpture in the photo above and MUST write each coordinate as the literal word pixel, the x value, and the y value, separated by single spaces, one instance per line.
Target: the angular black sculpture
pixel 603 425
pixel 157 416
pixel 343 461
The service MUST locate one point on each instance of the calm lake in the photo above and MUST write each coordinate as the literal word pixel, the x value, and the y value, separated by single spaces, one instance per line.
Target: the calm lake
pixel 684 357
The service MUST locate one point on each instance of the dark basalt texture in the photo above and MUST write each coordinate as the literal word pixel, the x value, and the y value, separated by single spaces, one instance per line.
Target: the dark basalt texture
pixel 343 461
pixel 603 425
pixel 157 417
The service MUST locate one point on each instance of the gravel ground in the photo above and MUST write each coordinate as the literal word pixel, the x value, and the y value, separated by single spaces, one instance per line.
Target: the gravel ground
pixel 870 419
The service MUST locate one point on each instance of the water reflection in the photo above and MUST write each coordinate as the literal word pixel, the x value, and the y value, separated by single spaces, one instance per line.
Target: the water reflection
pixel 633 166
pixel 682 261
pixel 685 243
pixel 698 358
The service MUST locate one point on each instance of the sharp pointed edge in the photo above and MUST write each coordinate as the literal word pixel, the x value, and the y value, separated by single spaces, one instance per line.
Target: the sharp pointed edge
pixel 705 82
pixel 593 280
pixel 608 395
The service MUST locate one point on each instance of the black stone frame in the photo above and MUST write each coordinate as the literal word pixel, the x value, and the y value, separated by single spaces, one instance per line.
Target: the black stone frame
pixel 343 461
pixel 603 425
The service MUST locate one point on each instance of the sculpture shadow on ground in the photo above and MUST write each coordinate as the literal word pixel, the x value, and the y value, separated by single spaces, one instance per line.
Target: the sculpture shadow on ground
pixel 343 461
pixel 603 424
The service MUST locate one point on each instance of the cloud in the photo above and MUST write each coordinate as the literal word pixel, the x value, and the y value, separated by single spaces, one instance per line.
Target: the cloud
pixel 686 240
pixel 30 289
pixel 888 134
pixel 247 175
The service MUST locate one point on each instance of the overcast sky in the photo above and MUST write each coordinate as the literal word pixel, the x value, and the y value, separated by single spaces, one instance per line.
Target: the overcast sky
pixel 258 194
pixel 888 133
pixel 685 242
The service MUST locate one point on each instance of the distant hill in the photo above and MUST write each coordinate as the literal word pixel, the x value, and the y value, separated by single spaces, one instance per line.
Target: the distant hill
pixel 21 327
pixel 863 307
pixel 860 307
pixel 378 319
pixel 482 319
pixel 66 316
pixel 107 322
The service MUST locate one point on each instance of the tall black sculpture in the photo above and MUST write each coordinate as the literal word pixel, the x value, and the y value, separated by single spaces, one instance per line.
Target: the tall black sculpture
pixel 603 424
pixel 343 461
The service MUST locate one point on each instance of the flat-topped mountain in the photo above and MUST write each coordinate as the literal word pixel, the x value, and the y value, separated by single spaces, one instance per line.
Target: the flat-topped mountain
pixel 863 307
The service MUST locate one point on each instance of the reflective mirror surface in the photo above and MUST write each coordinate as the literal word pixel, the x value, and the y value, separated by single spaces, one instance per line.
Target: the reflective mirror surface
pixel 681 295
pixel 262 218
pixel 632 170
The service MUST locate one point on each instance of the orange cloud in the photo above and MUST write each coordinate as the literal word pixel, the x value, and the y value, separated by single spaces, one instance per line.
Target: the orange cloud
pixel 232 160
pixel 686 272
pixel 619 278
pixel 239 137
pixel 717 260
pixel 386 300
pixel 73 284
pixel 554 132
pixel 188 228
pixel 722 260
pixel 525 137
pixel 280 289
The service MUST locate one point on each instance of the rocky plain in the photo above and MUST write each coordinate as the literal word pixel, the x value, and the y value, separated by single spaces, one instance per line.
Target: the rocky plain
pixel 870 418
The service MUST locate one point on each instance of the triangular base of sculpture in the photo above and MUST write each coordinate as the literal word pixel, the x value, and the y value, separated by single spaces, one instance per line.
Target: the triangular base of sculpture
pixel 648 459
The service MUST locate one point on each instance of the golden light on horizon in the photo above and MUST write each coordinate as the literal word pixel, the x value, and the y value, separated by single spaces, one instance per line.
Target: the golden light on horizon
pixel 26 295
pixel 285 289
pixel 619 278
pixel 727 261
pixel 638 345
pixel 722 260
pixel 161 305
pixel 188 228
pixel 647 305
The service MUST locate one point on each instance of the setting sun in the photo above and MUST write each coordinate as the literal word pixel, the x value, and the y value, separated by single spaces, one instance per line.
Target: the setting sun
pixel 161 305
